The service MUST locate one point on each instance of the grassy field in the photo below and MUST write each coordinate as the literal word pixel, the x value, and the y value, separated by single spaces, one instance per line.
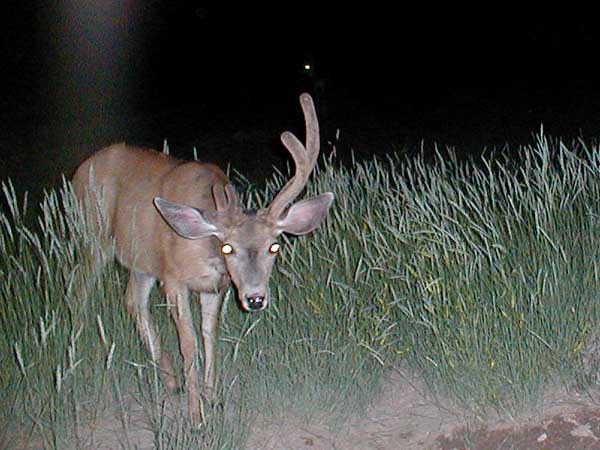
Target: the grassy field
pixel 481 276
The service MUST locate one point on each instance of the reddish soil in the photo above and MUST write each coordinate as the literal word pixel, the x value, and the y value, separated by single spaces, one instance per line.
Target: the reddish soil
pixel 578 430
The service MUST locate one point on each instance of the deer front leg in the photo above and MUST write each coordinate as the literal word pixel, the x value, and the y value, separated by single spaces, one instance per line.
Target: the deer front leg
pixel 178 300
pixel 211 306
pixel 136 300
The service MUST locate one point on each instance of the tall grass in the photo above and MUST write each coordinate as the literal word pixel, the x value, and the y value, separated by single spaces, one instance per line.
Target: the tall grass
pixel 503 276
pixel 482 276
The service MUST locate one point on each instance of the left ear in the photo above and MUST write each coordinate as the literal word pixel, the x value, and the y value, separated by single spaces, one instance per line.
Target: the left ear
pixel 303 217
pixel 186 221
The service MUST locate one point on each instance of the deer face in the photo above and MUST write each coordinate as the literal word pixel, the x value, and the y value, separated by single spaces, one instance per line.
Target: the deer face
pixel 249 241
pixel 249 250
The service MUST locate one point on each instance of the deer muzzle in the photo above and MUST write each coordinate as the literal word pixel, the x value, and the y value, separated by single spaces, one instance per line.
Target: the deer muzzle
pixel 254 302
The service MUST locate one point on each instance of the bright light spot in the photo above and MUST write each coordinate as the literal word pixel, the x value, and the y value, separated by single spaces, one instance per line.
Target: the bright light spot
pixel 307 67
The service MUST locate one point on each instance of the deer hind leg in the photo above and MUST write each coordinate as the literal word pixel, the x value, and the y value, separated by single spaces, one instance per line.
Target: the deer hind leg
pixel 178 300
pixel 137 299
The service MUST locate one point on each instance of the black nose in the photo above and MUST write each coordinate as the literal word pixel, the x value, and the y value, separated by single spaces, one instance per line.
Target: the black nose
pixel 255 302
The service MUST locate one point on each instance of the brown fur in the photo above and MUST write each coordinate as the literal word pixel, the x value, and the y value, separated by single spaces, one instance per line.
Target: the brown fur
pixel 170 219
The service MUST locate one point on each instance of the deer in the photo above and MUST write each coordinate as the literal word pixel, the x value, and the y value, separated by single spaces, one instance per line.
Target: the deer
pixel 180 223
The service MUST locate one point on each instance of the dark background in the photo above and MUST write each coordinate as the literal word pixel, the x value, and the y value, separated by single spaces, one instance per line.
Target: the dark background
pixel 225 78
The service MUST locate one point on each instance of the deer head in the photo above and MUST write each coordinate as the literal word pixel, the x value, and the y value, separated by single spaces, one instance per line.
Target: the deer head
pixel 249 239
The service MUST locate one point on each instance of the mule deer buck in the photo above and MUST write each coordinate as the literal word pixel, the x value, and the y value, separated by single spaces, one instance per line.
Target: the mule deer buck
pixel 180 223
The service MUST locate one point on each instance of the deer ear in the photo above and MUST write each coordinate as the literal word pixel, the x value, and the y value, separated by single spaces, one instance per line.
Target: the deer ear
pixel 186 221
pixel 303 217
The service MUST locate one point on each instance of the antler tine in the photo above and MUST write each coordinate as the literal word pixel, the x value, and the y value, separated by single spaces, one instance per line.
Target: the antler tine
pixel 232 198
pixel 305 158
pixel 219 196
pixel 312 129
pixel 225 197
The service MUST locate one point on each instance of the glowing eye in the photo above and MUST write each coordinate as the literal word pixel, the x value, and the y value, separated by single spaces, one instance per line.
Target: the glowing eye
pixel 274 248
pixel 227 249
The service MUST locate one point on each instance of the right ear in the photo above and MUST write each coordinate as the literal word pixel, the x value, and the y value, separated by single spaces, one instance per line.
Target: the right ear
pixel 186 221
pixel 306 215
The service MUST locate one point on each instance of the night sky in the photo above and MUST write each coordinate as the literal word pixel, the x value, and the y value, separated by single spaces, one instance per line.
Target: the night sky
pixel 226 78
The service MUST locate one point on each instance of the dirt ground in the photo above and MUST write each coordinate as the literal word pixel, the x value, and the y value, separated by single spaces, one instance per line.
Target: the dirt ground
pixel 401 418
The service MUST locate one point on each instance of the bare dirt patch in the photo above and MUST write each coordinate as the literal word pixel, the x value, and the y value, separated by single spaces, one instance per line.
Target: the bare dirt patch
pixel 404 418
pixel 124 426
pixel 401 418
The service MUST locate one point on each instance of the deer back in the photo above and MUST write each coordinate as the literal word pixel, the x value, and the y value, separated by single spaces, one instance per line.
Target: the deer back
pixel 123 182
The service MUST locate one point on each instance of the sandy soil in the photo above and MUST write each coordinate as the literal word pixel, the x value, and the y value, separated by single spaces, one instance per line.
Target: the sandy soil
pixel 403 418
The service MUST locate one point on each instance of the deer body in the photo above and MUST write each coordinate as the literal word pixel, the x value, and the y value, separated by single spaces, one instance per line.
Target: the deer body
pixel 179 223
pixel 130 179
